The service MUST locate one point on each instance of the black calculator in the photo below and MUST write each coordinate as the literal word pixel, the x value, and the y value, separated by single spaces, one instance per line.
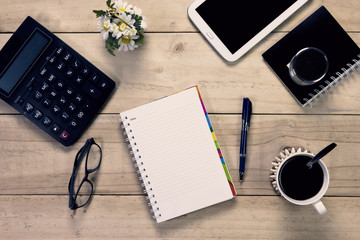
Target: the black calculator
pixel 50 83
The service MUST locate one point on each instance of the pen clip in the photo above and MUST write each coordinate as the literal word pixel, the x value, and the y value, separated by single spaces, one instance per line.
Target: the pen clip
pixel 248 112
pixel 245 109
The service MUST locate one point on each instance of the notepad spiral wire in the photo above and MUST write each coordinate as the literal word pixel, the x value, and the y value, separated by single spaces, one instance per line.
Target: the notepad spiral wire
pixel 334 81
pixel 140 168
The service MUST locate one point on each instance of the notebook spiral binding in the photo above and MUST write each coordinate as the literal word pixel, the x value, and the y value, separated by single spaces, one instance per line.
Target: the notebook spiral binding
pixel 140 168
pixel 345 73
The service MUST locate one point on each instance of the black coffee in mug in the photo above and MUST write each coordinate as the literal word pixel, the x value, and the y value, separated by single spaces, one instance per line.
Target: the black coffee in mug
pixel 299 182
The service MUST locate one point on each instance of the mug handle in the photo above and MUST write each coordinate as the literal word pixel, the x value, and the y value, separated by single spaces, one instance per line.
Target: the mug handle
pixel 319 207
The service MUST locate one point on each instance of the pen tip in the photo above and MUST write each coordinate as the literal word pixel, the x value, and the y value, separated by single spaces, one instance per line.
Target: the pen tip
pixel 241 177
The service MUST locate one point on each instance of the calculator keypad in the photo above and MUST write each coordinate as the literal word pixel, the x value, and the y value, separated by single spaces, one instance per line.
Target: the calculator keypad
pixel 64 92
pixel 56 88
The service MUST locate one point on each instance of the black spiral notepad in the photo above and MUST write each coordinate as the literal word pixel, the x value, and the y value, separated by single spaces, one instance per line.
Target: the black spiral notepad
pixel 322 31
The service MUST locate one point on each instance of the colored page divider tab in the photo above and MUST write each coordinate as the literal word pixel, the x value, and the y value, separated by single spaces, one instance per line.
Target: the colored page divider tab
pixel 217 146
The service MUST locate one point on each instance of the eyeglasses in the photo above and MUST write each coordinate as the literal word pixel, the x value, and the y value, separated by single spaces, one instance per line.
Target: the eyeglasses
pixel 85 189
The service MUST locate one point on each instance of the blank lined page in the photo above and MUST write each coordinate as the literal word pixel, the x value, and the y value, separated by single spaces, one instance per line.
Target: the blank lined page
pixel 176 154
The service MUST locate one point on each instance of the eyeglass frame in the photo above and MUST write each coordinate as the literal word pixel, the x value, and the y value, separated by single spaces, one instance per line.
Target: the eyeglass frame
pixel 78 158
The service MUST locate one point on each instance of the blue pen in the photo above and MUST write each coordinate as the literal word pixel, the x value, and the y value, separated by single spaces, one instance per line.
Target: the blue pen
pixel 246 115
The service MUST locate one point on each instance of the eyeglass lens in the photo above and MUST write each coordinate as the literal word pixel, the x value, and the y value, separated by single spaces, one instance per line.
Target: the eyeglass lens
pixel 93 158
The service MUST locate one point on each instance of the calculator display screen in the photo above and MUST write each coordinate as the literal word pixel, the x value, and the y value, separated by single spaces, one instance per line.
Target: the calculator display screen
pixel 22 62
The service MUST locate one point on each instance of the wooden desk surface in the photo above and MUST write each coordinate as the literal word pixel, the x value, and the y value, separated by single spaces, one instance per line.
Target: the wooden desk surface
pixel 35 170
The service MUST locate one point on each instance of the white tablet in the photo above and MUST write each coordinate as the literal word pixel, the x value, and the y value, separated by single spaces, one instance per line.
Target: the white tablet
pixel 233 27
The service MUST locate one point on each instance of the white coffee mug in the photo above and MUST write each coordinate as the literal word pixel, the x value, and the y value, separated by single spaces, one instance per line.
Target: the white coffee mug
pixel 315 200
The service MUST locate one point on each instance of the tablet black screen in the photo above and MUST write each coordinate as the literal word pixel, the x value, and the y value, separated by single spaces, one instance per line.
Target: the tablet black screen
pixel 236 22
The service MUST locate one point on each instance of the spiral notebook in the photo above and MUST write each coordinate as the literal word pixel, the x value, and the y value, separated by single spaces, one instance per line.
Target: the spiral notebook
pixel 177 155
pixel 322 31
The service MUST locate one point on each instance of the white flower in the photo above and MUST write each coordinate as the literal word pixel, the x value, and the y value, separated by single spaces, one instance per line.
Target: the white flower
pixel 104 27
pixel 137 11
pixel 114 29
pixel 127 19
pixel 122 27
pixel 127 43
pixel 117 26
pixel 122 7
pixel 133 32
pixel 143 23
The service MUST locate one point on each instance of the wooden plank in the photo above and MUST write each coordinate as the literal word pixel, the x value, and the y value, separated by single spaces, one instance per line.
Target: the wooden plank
pixel 161 15
pixel 172 62
pixel 33 163
pixel 127 217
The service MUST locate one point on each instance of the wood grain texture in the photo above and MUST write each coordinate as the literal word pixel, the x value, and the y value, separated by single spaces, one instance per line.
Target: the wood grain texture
pixel 35 170
pixel 170 62
pixel 161 15
pixel 32 163
pixel 127 217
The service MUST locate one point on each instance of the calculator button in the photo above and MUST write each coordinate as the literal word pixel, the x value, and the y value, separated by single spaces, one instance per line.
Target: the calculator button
pixel 73 124
pixel 55 128
pixel 38 96
pixel 46 102
pixel 56 109
pixel 29 107
pixel 94 78
pixel 78 99
pixel 60 85
pixel 44 87
pixel 52 59
pixel 53 94
pixel 69 92
pixel 65 135
pixel 51 78
pixel 62 101
pixel 60 66
pixel 79 80
pixel 69 73
pixel 67 57
pixel 43 71
pixel 59 50
pixel 80 114
pixel 65 116
pixel 37 114
pixel 103 84
pixel 87 106
pixel 46 121
pixel 72 108
pixel 85 71
pixel 76 64
pixel 91 90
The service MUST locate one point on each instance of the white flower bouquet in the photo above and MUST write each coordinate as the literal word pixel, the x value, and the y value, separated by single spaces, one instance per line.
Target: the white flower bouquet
pixel 121 26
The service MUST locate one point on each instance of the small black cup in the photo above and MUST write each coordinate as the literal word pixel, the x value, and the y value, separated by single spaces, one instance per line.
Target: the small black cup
pixel 308 66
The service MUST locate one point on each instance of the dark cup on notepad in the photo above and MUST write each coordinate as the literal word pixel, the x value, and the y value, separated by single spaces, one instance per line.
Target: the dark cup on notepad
pixel 308 66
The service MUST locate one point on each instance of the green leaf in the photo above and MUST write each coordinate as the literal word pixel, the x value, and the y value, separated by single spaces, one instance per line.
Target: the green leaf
pixel 108 3
pixel 140 40
pixel 109 48
pixel 111 44
pixel 99 13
